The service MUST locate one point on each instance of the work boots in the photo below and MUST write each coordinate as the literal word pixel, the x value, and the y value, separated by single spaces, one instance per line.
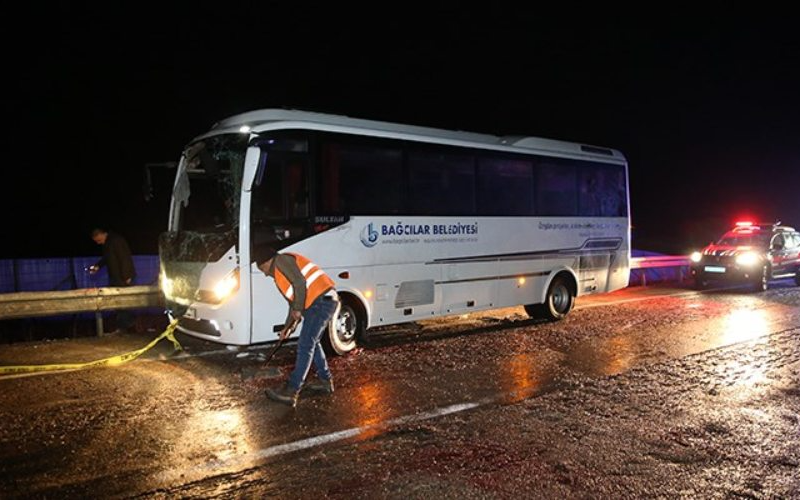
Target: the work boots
pixel 321 385
pixel 286 395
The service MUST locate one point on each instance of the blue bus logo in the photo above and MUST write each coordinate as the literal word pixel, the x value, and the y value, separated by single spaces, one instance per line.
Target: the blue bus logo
pixel 369 236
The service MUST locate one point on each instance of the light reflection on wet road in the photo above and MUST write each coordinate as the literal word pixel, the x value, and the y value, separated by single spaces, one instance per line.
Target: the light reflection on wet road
pixel 745 324
pixel 207 419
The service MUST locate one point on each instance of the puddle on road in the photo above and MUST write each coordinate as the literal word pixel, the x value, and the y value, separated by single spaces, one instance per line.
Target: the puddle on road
pixel 607 357
pixel 216 429
pixel 745 324
pixel 522 377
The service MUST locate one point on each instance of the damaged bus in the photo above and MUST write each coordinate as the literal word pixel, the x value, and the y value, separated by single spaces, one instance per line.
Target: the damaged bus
pixel 411 222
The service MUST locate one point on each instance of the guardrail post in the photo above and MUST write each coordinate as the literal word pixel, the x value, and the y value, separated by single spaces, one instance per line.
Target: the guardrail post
pixel 98 321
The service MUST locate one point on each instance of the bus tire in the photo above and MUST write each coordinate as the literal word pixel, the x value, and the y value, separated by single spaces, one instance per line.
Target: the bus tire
pixel 345 328
pixel 558 303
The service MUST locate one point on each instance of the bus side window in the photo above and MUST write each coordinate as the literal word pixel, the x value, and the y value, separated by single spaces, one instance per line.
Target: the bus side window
pixel 297 189
pixel 614 203
pixel 590 191
pixel 557 193
pixel 268 195
pixel 505 187
pixel 284 181
pixel 441 183
pixel 360 179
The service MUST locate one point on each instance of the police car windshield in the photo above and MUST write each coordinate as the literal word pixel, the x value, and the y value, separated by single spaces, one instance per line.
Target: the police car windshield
pixel 745 240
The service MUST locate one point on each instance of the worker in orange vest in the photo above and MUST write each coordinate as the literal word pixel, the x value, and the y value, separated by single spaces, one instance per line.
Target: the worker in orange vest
pixel 312 297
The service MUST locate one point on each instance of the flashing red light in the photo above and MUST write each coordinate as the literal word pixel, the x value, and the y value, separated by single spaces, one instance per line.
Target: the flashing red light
pixel 744 223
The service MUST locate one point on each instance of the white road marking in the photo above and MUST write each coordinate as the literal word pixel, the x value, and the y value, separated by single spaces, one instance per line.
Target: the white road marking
pixel 236 463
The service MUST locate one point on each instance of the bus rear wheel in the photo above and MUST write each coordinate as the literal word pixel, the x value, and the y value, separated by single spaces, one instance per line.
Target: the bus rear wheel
pixel 558 303
pixel 345 328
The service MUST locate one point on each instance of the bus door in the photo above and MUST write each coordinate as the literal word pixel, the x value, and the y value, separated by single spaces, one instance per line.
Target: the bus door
pixel 279 216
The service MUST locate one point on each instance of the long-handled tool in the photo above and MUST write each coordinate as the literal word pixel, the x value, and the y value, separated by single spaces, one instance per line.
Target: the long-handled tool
pixel 285 333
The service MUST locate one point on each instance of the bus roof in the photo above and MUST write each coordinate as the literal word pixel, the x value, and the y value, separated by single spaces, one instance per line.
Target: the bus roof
pixel 267 119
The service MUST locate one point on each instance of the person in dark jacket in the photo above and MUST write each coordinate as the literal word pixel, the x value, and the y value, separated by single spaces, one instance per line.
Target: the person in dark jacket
pixel 119 262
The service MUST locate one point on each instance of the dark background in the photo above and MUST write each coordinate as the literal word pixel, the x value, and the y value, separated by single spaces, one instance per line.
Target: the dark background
pixel 704 104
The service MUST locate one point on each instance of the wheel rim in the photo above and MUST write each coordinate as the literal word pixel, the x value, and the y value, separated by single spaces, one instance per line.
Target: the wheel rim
pixel 346 325
pixel 560 298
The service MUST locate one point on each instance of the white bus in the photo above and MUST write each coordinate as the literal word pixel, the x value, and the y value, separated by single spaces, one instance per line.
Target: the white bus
pixel 411 223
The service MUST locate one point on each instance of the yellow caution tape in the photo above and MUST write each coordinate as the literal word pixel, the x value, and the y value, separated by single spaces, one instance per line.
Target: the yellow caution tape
pixel 112 361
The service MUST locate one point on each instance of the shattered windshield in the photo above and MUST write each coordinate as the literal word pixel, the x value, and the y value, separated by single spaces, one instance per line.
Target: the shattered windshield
pixel 208 194
pixel 206 198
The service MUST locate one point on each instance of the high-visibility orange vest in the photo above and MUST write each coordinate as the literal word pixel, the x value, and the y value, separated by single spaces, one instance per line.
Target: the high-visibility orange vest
pixel 317 282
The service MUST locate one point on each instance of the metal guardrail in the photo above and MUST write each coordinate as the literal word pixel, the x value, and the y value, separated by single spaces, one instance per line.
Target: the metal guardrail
pixel 658 262
pixel 97 300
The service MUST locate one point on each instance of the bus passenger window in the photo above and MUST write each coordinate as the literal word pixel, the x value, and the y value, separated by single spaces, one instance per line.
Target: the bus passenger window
pixel 360 179
pixel 283 190
pixel 297 189
pixel 601 190
pixel 505 187
pixel 557 193
pixel 441 184
pixel 268 195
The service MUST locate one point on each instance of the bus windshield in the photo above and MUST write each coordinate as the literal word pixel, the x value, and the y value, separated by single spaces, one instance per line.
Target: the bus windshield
pixel 209 189
pixel 206 198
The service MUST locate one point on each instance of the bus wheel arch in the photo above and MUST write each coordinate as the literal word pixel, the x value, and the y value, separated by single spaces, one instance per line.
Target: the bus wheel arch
pixel 559 299
pixel 347 326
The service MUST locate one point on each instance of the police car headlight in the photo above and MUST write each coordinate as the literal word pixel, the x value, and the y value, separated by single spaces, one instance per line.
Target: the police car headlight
pixel 747 259
pixel 696 257
pixel 227 285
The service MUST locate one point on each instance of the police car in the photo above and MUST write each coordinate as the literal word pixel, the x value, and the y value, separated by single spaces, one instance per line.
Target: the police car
pixel 752 253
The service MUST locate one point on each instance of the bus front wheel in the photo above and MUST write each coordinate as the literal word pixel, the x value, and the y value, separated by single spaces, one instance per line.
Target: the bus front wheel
pixel 558 303
pixel 345 328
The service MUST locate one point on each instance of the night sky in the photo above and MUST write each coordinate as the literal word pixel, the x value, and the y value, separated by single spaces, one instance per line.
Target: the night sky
pixel 705 105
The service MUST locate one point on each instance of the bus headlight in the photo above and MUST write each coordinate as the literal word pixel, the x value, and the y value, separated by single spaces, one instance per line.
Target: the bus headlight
pixel 747 259
pixel 166 285
pixel 227 285
pixel 696 257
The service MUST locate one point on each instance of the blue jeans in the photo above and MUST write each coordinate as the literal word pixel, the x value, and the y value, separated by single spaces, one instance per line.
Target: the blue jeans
pixel 315 319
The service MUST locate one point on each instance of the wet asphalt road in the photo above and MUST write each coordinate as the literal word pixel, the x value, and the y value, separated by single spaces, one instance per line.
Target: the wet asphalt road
pixel 646 392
